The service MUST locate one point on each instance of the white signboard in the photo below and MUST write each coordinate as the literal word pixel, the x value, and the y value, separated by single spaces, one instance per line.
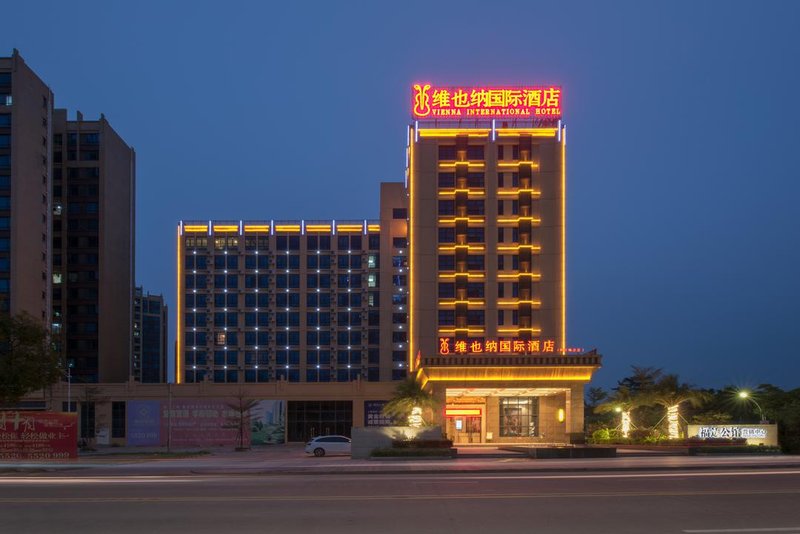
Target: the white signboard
pixel 754 434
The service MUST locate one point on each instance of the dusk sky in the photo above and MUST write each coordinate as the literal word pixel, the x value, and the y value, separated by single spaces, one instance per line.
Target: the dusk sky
pixel 682 162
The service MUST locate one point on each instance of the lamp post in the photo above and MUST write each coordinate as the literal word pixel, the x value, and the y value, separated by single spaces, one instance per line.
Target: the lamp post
pixel 746 395
pixel 70 365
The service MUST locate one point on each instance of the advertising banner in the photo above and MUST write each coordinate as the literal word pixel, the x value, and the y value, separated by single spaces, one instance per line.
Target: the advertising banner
pixel 38 436
pixel 144 423
pixel 373 414
pixel 199 423
pixel 268 422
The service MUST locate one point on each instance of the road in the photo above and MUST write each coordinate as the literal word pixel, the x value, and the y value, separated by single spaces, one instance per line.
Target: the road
pixel 677 501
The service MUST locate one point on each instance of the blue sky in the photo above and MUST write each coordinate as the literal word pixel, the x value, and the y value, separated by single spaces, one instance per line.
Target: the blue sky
pixel 683 184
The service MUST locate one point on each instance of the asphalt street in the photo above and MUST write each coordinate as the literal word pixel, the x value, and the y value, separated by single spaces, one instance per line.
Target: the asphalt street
pixel 699 500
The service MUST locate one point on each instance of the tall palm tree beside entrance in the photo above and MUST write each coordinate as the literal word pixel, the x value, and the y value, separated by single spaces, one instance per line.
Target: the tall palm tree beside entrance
pixel 622 401
pixel 670 393
pixel 412 404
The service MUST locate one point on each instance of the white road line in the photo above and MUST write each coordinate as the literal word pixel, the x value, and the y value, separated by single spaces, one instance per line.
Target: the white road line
pixel 729 530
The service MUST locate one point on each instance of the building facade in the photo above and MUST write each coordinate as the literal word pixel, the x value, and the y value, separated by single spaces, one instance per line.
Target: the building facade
pixel 150 329
pixel 26 122
pixel 487 184
pixel 300 301
pixel 94 174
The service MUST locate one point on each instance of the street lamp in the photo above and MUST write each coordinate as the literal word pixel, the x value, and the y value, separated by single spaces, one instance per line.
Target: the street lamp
pixel 70 365
pixel 746 395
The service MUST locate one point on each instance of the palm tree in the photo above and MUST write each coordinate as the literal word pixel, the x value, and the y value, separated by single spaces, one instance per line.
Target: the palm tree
pixel 670 393
pixel 410 397
pixel 624 402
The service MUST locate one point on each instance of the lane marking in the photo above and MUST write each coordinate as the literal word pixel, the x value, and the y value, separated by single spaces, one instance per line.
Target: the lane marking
pixel 406 497
pixel 755 529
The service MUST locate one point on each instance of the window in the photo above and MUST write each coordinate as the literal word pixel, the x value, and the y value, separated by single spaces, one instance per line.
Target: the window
pixel 399 242
pixel 519 416
pixel 474 152
pixel 474 235
pixel 475 207
pixel 475 262
pixel 447 317
pixel 448 235
pixel 397 213
pixel 447 290
pixel 475 179
pixel 5 119
pixel 447 263
pixel 447 207
pixel 447 180
pixel 447 152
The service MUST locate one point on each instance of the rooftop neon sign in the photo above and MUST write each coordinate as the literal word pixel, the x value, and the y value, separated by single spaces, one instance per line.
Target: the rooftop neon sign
pixel 433 102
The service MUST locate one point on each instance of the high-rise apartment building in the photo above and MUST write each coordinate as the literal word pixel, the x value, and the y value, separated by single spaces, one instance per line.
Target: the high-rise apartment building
pixel 300 301
pixel 26 122
pixel 93 198
pixel 150 327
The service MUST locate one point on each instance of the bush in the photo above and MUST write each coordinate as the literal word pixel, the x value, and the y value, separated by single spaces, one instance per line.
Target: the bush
pixel 411 452
pixel 422 444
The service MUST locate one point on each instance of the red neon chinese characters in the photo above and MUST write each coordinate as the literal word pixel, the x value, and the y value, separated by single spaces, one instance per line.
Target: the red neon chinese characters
pixel 431 102
pixel 448 346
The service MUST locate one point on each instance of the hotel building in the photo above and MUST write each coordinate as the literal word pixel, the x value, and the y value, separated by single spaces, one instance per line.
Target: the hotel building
pixel 487 185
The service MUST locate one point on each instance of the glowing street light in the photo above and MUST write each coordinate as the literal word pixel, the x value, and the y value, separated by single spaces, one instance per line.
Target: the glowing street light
pixel 746 395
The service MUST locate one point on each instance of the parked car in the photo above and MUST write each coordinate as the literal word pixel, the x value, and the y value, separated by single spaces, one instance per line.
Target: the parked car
pixel 322 445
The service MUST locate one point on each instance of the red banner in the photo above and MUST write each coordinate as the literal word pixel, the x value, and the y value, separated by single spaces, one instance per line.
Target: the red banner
pixel 433 102
pixel 38 436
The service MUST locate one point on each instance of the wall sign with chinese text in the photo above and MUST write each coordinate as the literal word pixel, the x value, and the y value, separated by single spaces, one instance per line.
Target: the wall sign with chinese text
pixel 448 346
pixel 433 102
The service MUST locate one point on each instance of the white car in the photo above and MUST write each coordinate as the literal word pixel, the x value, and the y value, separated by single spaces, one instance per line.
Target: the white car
pixel 322 445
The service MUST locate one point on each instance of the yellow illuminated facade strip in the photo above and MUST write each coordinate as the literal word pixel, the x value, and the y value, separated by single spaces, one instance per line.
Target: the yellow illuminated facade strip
pixel 506 248
pixel 515 164
pixel 287 228
pixel 226 228
pixel 469 164
pixel 514 302
pixel 516 192
pixel 506 374
pixel 514 276
pixel 318 228
pixel 264 228
pixel 462 330
pixel 411 288
pixel 195 228
pixel 471 248
pixel 469 220
pixel 471 193
pixel 512 220
pixel 468 302
pixel 453 132
pixel 533 132
pixel 476 276
pixel 373 227
pixel 564 239
pixel 179 332
pixel 349 228
pixel 518 330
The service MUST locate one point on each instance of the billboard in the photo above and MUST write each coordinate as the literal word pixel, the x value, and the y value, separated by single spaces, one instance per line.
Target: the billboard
pixel 753 434
pixel 144 423
pixel 431 102
pixel 268 422
pixel 38 436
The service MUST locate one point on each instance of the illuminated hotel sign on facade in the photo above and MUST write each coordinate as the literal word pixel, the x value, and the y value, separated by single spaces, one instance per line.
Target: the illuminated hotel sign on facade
pixel 449 346
pixel 432 102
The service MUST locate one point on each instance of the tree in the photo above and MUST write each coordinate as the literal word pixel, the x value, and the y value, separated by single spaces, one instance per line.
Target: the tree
pixel 241 418
pixel 409 395
pixel 624 402
pixel 27 359
pixel 670 393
